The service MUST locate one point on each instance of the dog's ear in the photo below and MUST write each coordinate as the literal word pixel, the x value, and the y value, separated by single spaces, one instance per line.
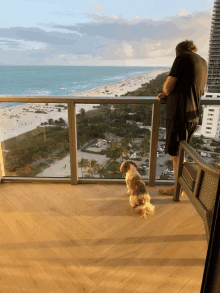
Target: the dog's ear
pixel 140 187
pixel 125 166
pixel 134 164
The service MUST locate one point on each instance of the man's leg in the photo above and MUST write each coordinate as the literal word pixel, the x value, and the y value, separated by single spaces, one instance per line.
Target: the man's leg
pixel 170 191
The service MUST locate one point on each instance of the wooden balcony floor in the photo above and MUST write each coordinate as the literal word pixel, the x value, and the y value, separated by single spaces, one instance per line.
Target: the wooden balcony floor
pixel 86 238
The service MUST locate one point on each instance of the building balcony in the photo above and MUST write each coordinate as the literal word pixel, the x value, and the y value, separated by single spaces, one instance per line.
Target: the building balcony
pixel 213 33
pixel 215 25
pixel 216 17
pixel 215 22
pixel 213 47
pixel 214 72
pixel 214 56
pixel 86 238
pixel 214 63
pixel 214 41
pixel 68 233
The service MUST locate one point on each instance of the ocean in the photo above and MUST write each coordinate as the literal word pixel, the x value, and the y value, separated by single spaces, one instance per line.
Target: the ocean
pixel 61 80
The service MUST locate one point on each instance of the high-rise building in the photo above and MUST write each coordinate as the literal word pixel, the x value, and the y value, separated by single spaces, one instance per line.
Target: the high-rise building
pixel 211 122
pixel 213 80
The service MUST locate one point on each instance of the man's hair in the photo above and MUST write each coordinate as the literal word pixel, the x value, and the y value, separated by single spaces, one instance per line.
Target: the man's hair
pixel 186 46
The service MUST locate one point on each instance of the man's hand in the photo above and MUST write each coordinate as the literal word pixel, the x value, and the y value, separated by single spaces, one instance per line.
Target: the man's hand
pixel 161 97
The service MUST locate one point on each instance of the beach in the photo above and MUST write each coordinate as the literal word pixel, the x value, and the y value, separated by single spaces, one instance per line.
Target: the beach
pixel 122 87
pixel 17 120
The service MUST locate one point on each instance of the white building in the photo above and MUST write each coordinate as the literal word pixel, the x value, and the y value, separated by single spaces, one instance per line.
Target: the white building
pixel 211 95
pixel 210 122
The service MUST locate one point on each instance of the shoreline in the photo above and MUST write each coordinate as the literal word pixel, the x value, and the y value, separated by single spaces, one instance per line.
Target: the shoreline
pixel 127 85
pixel 15 121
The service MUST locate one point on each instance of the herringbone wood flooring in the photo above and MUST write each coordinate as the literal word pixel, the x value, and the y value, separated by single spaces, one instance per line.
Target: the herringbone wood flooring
pixel 86 238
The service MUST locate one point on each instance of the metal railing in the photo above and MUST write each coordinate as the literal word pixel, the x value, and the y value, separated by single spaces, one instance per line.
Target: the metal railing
pixel 71 101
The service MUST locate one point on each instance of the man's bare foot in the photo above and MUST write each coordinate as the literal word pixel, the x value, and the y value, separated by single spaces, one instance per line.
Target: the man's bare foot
pixel 168 191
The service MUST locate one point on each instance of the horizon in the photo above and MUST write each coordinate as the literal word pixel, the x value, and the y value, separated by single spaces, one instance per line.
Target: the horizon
pixel 83 66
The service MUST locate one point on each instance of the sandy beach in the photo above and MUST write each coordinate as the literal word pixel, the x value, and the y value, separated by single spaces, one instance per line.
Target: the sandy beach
pixel 17 120
pixel 122 87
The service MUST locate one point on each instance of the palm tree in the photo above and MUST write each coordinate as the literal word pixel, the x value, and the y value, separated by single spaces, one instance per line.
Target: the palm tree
pixel 125 148
pixel 143 154
pixel 101 171
pixel 82 112
pixel 113 151
pixel 93 165
pixel 145 144
pixel 83 164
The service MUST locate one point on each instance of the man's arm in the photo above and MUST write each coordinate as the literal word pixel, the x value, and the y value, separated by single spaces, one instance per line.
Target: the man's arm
pixel 169 85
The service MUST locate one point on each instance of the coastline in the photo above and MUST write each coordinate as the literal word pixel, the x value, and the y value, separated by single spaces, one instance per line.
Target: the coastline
pixel 122 87
pixel 15 121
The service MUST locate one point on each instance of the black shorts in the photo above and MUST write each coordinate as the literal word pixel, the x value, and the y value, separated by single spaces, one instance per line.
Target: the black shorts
pixel 172 142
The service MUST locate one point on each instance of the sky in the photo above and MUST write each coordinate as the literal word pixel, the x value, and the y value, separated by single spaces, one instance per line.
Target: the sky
pixel 102 33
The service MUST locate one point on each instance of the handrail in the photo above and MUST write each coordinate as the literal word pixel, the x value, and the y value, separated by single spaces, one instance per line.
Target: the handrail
pixel 72 101
pixel 92 100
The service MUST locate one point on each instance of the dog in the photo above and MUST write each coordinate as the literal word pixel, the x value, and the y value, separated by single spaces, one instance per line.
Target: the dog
pixel 131 170
pixel 139 197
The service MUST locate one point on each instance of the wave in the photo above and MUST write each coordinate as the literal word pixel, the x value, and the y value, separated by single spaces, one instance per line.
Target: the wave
pixel 115 77
pixel 41 93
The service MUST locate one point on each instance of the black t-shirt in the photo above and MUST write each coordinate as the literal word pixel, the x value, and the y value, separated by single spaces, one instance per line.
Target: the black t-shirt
pixel 191 70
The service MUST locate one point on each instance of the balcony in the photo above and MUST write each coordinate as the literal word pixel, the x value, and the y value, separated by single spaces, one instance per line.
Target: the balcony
pixel 78 236
pixel 85 238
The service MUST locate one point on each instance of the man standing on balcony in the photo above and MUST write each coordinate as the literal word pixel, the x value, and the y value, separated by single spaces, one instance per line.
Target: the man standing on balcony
pixel 182 91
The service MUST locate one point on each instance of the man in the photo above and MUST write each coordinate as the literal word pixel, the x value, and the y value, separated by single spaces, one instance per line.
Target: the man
pixel 182 91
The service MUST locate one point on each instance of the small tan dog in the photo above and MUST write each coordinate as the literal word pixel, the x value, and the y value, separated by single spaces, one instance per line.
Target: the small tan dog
pixel 139 197
pixel 131 170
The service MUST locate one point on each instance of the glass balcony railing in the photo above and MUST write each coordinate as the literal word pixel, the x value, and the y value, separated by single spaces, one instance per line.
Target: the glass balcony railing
pixel 113 133
pixel 80 140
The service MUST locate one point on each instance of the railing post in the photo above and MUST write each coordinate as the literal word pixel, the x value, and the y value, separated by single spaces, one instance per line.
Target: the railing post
pixel 73 142
pixel 2 169
pixel 154 142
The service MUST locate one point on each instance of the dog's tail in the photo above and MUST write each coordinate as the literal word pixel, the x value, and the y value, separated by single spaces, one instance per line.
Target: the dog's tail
pixel 148 209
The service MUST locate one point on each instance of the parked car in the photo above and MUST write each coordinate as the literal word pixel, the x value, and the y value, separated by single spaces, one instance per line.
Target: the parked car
pixel 168 171
pixel 161 164
pixel 144 165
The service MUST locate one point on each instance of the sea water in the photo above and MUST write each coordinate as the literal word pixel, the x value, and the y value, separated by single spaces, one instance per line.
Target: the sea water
pixel 61 80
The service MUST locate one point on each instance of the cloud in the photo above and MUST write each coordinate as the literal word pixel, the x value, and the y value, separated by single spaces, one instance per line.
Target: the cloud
pixel 98 7
pixel 124 51
pixel 161 53
pixel 39 35
pixel 120 29
pixel 183 13
pixel 104 18
pixel 10 44
pixel 108 38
